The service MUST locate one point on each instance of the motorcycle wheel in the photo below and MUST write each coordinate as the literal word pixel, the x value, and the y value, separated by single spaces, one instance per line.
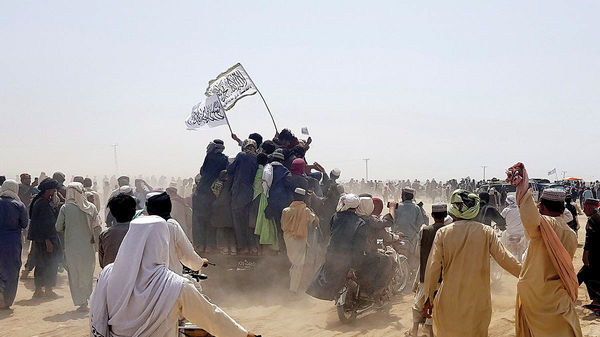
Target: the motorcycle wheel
pixel 345 316
pixel 402 276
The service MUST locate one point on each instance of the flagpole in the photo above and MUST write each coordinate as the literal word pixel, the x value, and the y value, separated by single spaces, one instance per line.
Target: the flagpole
pixel 229 125
pixel 224 114
pixel 269 110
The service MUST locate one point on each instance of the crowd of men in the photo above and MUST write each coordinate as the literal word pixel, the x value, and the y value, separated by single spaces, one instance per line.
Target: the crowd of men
pixel 269 200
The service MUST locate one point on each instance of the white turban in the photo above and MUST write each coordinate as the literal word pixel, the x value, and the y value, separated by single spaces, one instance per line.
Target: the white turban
pixel 348 201
pixel 10 188
pixel 126 189
pixel 511 200
pixel 366 206
pixel 76 195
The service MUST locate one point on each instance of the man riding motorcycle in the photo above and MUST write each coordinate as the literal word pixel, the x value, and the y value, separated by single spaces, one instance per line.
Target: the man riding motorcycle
pixel 345 251
pixel 376 271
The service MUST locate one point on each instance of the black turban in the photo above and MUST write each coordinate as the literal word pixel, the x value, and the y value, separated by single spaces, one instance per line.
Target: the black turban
pixel 159 204
pixel 48 184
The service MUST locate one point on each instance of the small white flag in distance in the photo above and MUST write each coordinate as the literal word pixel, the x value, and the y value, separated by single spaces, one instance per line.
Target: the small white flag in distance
pixel 231 86
pixel 206 114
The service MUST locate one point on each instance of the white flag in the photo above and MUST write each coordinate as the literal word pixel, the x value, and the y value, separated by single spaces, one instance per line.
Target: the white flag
pixel 552 172
pixel 231 85
pixel 207 114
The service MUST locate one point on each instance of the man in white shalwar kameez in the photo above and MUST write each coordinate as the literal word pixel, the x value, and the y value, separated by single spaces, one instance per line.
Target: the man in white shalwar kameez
pixel 138 295
pixel 181 250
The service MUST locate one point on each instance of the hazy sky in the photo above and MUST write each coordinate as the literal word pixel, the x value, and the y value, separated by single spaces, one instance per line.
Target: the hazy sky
pixel 433 89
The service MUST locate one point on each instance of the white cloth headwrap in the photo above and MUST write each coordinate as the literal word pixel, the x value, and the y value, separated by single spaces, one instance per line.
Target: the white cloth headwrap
pixel 76 195
pixel 348 201
pixel 567 216
pixel 135 294
pixel 511 200
pixel 10 188
pixel 366 206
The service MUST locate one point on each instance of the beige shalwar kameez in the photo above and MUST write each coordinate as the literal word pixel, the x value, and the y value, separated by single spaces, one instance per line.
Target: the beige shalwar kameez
pixel 461 252
pixel 295 220
pixel 543 306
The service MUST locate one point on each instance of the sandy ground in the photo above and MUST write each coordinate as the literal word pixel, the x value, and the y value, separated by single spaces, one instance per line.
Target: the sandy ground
pixel 271 311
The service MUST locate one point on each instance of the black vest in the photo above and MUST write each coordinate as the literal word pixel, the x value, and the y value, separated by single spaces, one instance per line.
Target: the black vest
pixel 427 238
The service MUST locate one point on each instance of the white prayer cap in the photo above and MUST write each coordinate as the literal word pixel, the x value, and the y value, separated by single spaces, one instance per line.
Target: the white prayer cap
pixel 336 172
pixel 300 191
pixel 439 207
pixel 408 190
pixel 554 194
pixel 125 189
pixel 153 194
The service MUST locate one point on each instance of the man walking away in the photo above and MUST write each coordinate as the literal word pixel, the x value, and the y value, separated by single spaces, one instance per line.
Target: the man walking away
pixel 46 250
pixel 123 208
pixel 439 212
pixel 79 222
pixel 13 219
pixel 295 220
pixel 590 272
pixel 409 217
pixel 461 255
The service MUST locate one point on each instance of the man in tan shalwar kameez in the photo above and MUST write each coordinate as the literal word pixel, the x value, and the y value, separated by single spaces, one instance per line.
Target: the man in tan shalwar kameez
pixel 543 306
pixel 461 252
pixel 295 220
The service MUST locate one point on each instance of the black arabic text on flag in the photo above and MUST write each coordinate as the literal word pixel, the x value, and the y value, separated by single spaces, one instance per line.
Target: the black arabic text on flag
pixel 208 113
pixel 231 86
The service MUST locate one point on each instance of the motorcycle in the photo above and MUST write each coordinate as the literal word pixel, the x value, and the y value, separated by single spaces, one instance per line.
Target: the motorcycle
pixel 409 264
pixel 188 329
pixel 351 302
